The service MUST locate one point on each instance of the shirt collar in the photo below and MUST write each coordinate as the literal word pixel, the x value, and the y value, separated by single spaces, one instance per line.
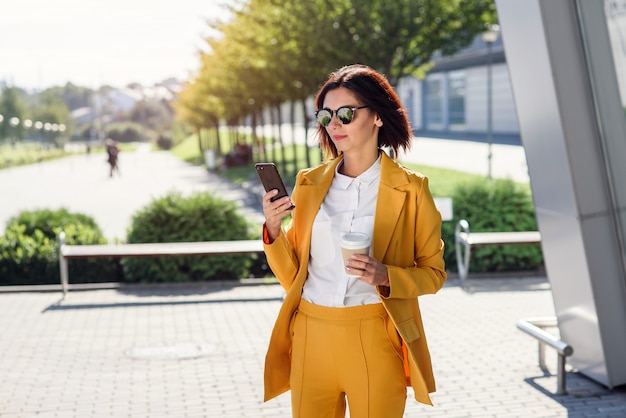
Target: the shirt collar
pixel 366 178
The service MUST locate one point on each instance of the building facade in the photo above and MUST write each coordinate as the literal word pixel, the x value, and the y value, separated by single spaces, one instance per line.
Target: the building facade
pixel 453 100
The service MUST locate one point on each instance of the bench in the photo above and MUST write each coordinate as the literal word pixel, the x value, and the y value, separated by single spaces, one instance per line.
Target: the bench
pixel 535 327
pixel 465 240
pixel 163 249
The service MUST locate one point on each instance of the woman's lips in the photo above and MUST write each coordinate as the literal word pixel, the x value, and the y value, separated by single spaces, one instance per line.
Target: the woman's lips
pixel 339 137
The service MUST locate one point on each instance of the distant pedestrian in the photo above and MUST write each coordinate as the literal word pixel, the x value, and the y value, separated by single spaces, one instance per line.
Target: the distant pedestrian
pixel 354 332
pixel 112 156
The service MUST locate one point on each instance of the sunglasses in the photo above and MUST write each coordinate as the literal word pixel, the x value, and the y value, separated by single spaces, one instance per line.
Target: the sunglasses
pixel 345 114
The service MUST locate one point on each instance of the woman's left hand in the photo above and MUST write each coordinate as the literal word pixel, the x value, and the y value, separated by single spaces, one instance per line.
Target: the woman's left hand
pixel 371 271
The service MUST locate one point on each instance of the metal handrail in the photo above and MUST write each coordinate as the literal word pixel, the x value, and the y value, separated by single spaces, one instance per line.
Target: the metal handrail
pixel 462 258
pixel 535 328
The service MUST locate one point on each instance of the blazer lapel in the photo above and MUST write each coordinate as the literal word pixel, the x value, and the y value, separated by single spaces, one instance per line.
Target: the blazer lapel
pixel 389 206
pixel 315 185
pixel 311 193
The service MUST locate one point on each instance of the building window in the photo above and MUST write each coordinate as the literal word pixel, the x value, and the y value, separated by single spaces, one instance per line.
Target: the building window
pixel 434 103
pixel 456 99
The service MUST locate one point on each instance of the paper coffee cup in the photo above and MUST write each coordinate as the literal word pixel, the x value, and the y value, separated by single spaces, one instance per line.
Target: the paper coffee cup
pixel 354 243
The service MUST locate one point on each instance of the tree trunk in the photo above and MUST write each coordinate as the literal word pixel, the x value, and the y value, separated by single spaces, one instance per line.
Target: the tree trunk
pixel 218 142
pixel 261 138
pixel 306 133
pixel 280 137
pixel 272 133
pixel 200 145
pixel 292 116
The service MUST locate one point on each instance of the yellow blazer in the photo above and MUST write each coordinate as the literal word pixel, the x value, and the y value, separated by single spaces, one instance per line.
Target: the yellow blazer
pixel 407 239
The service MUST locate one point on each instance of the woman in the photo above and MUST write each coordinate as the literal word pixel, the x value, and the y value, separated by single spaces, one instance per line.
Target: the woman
pixel 337 336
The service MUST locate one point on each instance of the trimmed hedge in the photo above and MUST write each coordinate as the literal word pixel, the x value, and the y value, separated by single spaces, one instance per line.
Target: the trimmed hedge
pixel 29 249
pixel 29 246
pixel 199 217
pixel 498 206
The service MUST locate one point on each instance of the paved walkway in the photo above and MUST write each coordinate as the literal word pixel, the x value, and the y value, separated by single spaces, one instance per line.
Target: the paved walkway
pixel 81 183
pixel 197 350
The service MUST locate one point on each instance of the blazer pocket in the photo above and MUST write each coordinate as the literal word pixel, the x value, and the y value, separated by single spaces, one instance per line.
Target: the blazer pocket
pixel 408 330
pixel 394 337
pixel 292 323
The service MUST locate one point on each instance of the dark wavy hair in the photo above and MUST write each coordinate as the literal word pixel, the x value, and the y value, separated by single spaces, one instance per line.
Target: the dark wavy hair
pixel 374 91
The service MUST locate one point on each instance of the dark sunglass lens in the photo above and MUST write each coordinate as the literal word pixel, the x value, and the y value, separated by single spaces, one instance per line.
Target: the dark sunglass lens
pixel 324 117
pixel 345 115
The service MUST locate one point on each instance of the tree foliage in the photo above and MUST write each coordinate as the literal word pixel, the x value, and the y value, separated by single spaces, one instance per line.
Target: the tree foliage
pixel 12 106
pixel 20 111
pixel 275 51
pixel 73 96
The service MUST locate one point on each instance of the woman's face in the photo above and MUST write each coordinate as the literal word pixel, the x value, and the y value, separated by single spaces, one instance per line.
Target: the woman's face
pixel 358 135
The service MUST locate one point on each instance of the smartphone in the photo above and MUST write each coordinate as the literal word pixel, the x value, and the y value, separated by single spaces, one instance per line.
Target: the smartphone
pixel 271 179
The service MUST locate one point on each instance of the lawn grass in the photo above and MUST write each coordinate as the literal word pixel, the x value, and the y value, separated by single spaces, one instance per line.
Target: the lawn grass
pixel 22 153
pixel 443 181
pixel 187 150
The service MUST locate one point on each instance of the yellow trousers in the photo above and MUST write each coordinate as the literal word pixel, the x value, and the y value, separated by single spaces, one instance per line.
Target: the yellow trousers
pixel 340 353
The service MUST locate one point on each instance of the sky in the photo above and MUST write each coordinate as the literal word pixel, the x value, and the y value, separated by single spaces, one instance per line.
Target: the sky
pixel 90 43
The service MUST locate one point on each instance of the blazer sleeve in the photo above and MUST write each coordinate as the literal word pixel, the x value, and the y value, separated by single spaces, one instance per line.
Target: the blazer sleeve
pixel 281 259
pixel 281 254
pixel 422 271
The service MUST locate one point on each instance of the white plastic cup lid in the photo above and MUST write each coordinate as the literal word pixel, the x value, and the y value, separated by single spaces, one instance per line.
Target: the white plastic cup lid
pixel 355 240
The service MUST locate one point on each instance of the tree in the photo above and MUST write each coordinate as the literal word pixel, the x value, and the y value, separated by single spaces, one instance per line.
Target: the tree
pixel 153 115
pixel 200 109
pixel 74 96
pixel 53 110
pixel 258 62
pixel 14 112
pixel 397 37
pixel 276 51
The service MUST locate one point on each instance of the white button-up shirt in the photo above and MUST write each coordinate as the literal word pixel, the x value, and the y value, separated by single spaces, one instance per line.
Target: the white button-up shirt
pixel 349 206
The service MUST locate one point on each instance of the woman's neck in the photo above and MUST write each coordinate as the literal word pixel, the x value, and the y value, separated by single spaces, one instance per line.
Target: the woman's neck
pixel 355 165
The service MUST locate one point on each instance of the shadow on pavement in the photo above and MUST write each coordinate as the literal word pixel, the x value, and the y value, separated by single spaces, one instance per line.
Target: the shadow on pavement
pixel 493 284
pixel 165 294
pixel 61 306
pixel 582 394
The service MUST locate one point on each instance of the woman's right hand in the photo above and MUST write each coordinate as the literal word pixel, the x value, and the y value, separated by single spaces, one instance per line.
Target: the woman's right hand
pixel 275 212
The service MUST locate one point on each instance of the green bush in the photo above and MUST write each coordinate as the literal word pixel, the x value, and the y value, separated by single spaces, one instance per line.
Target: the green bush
pixel 499 206
pixel 165 142
pixel 23 153
pixel 26 259
pixel 125 131
pixel 29 249
pixel 199 217
pixel 50 221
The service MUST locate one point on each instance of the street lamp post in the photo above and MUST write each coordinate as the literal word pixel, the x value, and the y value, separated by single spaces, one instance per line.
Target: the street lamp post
pixel 27 125
pixel 39 127
pixel 15 123
pixel 489 37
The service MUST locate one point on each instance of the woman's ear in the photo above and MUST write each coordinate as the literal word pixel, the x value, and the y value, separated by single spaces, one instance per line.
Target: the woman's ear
pixel 378 121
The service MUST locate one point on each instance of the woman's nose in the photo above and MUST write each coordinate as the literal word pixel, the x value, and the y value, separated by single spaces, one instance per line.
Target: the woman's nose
pixel 334 120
